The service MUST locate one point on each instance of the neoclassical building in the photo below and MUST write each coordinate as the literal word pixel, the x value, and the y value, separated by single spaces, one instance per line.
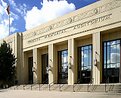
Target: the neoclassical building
pixel 81 47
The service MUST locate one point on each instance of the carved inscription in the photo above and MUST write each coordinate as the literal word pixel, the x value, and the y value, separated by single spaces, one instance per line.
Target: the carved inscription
pixel 101 9
pixel 81 25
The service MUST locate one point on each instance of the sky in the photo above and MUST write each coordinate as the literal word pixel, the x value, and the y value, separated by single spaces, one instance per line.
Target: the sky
pixel 27 14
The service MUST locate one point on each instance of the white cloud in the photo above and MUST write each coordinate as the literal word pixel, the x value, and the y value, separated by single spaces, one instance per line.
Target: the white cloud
pixel 15 16
pixel 3 31
pixel 13 29
pixel 23 9
pixel 4 23
pixel 4 20
pixel 49 11
pixel 12 3
pixel 19 9
pixel 3 3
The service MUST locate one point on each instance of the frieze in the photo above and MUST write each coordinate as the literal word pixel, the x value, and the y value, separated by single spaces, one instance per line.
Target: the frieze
pixel 101 9
pixel 81 25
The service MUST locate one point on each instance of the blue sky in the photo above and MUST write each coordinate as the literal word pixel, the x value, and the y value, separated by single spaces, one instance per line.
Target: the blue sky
pixel 27 14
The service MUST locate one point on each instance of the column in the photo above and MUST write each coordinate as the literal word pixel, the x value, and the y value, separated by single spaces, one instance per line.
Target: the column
pixel 19 57
pixel 71 62
pixel 51 66
pixel 36 66
pixel 25 68
pixel 96 58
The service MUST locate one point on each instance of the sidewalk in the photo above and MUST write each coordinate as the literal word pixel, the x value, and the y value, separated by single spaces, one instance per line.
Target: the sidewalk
pixel 53 94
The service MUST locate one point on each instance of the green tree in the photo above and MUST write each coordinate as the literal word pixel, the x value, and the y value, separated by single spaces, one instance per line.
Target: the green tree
pixel 7 65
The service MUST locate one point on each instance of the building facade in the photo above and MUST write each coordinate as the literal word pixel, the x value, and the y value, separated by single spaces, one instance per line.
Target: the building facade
pixel 81 47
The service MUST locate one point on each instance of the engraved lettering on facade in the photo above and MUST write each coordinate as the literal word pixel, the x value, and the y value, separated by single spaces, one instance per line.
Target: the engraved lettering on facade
pixel 84 24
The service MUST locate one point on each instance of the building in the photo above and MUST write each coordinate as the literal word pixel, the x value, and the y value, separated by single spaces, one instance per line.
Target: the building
pixel 81 47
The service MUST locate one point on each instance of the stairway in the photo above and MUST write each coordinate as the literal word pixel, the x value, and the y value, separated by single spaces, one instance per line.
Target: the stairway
pixel 116 88
pixel 110 88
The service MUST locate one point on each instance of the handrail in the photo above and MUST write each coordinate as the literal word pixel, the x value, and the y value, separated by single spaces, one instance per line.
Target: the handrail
pixel 36 82
pixel 51 84
pixel 106 82
pixel 24 85
pixel 42 84
pixel 90 83
pixel 31 85
pixel 60 86
pixel 74 85
pixel 16 86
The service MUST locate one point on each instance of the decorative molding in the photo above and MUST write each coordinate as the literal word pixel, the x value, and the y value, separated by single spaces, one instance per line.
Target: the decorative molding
pixel 78 26
pixel 101 9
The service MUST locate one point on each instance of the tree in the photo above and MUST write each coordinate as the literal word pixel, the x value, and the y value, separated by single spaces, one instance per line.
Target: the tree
pixel 7 65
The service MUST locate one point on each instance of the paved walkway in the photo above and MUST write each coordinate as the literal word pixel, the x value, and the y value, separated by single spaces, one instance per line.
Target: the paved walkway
pixel 52 94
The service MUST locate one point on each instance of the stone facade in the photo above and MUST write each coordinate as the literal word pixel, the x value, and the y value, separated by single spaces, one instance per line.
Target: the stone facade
pixel 91 25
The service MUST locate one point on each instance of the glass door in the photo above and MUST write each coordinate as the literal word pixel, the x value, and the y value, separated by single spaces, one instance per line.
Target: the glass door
pixel 85 63
pixel 63 66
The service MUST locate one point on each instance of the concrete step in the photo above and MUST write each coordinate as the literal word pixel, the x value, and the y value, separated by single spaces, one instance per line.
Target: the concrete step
pixel 54 87
pixel 44 87
pixel 111 88
pixel 66 87
pixel 35 87
pixel 81 87
pixel 114 88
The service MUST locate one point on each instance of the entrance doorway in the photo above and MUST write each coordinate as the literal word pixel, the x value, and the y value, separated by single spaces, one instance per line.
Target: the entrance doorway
pixel 63 66
pixel 85 64
pixel 111 61
pixel 30 72
pixel 45 68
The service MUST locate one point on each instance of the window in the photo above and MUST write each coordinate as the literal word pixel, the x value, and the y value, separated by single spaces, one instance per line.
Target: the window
pixel 44 59
pixel 85 63
pixel 30 72
pixel 86 57
pixel 62 66
pixel 64 59
pixel 111 60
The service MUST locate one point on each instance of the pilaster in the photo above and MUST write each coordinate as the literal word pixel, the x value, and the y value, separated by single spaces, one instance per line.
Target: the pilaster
pixel 25 68
pixel 71 62
pixel 51 61
pixel 36 66
pixel 96 58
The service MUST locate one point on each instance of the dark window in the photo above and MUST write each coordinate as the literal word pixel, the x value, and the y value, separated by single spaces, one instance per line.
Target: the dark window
pixel 44 68
pixel 30 72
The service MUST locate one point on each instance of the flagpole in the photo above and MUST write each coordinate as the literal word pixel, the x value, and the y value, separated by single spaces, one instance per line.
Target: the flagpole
pixel 8 11
pixel 9 23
